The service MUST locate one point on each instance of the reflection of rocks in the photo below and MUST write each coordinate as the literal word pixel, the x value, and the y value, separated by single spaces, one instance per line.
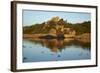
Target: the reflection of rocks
pixel 24 46
pixel 24 58
pixel 42 52
pixel 54 49
pixel 59 55
pixel 80 54
pixel 56 45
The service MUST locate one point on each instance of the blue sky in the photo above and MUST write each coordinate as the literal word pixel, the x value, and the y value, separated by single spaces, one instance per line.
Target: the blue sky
pixel 31 17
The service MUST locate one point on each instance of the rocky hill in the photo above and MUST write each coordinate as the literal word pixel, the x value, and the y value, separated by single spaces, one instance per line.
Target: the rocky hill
pixel 56 25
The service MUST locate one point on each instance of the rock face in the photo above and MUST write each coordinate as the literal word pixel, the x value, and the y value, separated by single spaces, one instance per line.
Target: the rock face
pixel 55 19
pixel 86 37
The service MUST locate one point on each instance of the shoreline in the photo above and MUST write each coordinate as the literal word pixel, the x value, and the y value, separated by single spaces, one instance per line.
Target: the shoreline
pixel 86 37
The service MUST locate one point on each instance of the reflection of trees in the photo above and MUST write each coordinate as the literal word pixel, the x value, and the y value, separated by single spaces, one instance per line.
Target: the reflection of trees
pixel 84 45
pixel 56 45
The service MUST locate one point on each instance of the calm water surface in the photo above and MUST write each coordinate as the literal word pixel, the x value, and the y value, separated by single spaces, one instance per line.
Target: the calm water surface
pixel 37 50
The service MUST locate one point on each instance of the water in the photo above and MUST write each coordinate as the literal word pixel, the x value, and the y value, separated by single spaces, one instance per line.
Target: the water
pixel 37 50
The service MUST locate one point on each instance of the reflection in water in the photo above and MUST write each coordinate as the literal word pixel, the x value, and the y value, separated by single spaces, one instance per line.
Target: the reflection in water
pixel 35 50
